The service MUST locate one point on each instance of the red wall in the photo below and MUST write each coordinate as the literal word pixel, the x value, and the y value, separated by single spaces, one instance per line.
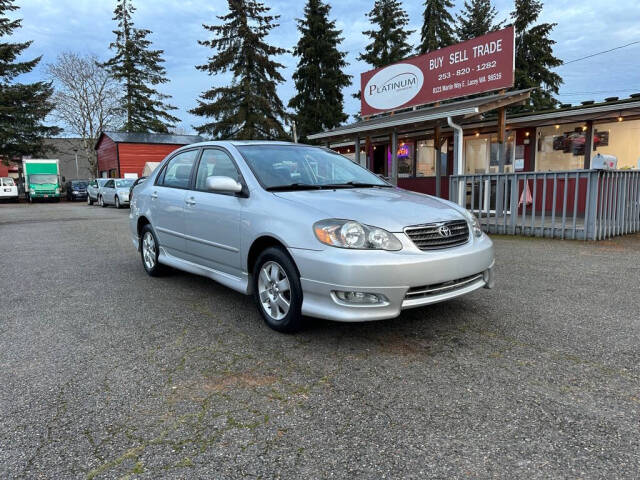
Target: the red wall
pixel 107 154
pixel 133 156
pixel 4 170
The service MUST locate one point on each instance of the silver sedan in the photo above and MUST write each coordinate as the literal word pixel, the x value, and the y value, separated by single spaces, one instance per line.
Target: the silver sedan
pixel 115 192
pixel 306 232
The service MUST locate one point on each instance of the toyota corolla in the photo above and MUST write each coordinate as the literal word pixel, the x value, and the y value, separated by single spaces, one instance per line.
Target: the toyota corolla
pixel 305 231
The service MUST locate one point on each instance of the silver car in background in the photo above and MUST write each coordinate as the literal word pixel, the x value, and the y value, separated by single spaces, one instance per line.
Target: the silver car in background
pixel 93 189
pixel 115 192
pixel 306 232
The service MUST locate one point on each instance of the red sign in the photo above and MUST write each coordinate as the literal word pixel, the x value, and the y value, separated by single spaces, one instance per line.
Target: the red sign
pixel 480 65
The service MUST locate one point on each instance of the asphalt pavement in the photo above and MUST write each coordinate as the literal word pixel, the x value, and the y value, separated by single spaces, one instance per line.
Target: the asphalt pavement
pixel 108 373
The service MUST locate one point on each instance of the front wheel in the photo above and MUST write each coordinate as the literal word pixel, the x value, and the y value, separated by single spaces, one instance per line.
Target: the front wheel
pixel 277 290
pixel 89 200
pixel 101 201
pixel 118 202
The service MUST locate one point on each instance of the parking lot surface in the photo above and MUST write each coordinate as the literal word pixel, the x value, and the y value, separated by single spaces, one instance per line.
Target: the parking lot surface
pixel 108 373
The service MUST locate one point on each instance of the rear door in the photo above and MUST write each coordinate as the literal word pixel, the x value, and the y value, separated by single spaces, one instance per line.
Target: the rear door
pixel 168 201
pixel 212 219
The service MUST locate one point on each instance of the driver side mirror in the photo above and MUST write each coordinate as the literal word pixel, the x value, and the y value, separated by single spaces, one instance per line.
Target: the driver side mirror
pixel 223 184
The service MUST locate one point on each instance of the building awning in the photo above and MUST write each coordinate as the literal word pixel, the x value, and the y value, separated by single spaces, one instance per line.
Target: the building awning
pixel 425 117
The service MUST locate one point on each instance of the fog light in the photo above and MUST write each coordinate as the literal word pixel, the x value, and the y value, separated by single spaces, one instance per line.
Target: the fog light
pixel 359 298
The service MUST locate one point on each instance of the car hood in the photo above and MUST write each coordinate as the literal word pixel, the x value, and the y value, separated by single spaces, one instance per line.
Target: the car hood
pixel 388 208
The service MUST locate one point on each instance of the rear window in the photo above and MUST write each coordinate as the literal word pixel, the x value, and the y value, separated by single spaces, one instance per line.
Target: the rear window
pixel 7 182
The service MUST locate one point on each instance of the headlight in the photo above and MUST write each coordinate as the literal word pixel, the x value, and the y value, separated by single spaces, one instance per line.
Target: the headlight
pixel 75 191
pixel 57 190
pixel 475 224
pixel 350 234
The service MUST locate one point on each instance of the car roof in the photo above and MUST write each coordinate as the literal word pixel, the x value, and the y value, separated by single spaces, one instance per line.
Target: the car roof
pixel 242 142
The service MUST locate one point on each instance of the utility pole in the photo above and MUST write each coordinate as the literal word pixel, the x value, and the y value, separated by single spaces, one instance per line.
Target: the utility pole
pixel 295 133
pixel 75 150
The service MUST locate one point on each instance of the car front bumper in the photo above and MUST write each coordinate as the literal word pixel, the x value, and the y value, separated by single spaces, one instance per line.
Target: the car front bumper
pixel 405 279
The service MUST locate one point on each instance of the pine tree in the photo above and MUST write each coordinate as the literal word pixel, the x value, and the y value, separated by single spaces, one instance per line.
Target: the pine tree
pixel 319 77
pixel 476 19
pixel 534 55
pixel 140 70
pixel 437 29
pixel 23 107
pixel 389 36
pixel 249 108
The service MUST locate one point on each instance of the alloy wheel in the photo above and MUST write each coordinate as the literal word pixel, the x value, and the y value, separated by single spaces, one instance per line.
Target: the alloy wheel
pixel 274 290
pixel 149 250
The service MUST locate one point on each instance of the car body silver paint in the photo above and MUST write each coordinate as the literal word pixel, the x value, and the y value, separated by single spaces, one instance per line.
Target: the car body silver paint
pixel 289 217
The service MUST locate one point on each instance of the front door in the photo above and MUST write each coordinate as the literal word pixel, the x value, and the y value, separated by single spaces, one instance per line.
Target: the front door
pixel 213 219
pixel 168 201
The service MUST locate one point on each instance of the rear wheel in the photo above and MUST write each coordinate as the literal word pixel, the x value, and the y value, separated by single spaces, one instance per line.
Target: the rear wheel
pixel 149 251
pixel 277 290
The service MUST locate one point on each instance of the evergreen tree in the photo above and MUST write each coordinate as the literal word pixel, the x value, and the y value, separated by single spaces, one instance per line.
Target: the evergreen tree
pixel 476 19
pixel 249 108
pixel 389 35
pixel 23 107
pixel 140 70
pixel 319 77
pixel 534 55
pixel 437 29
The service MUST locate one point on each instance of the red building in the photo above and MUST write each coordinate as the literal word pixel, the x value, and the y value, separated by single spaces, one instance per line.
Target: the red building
pixel 121 153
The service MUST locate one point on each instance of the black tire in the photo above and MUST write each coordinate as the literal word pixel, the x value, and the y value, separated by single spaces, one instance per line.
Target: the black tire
pixel 89 200
pixel 117 201
pixel 101 202
pixel 156 269
pixel 293 320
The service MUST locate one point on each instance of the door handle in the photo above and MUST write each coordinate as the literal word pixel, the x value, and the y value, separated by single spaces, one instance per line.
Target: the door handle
pixel 154 195
pixel 190 201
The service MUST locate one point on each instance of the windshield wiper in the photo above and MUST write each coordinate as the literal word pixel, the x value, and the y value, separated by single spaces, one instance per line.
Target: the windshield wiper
pixel 356 185
pixel 293 186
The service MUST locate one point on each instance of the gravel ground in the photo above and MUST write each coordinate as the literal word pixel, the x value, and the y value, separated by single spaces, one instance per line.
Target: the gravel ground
pixel 108 373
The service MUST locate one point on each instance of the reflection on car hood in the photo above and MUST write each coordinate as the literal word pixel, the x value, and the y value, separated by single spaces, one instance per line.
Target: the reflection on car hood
pixel 388 208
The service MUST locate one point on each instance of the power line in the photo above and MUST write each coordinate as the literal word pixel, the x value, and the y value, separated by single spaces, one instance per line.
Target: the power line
pixel 598 92
pixel 599 53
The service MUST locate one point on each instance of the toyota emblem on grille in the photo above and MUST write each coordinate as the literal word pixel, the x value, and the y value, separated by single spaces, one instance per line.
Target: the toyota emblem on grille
pixel 444 231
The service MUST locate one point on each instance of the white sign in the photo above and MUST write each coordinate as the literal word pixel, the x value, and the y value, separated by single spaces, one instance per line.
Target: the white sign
pixel 393 86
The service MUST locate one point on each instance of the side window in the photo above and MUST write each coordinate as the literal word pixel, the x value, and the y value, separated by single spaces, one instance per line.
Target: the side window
pixel 178 170
pixel 109 184
pixel 215 163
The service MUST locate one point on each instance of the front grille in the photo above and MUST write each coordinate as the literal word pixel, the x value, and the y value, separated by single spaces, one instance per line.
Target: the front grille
pixel 432 236
pixel 440 288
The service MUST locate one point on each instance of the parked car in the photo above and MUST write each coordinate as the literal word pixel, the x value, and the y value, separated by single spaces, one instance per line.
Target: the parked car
pixel 93 189
pixel 115 192
pixel 306 232
pixel 8 189
pixel 137 181
pixel 76 189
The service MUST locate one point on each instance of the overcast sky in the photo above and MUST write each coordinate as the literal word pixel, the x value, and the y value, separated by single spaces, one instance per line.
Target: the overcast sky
pixel 85 26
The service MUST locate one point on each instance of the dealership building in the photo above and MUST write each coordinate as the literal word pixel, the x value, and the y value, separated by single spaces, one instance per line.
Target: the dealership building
pixel 448 124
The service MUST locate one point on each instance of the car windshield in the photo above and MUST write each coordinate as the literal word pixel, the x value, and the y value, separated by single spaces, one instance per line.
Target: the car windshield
pixel 79 184
pixel 7 182
pixel 299 167
pixel 124 183
pixel 102 181
pixel 42 178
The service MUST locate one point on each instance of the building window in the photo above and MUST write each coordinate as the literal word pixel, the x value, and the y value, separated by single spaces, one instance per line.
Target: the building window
pixel 405 159
pixel 620 139
pixel 481 154
pixel 560 147
pixel 426 159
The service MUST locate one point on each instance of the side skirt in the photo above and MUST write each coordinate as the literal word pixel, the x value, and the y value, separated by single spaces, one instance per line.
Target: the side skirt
pixel 235 283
